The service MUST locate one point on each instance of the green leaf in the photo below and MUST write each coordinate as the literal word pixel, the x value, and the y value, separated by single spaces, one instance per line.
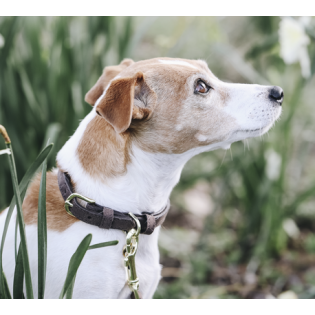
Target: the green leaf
pixel 27 269
pixel 52 133
pixel 23 187
pixel 16 234
pixel 100 245
pixel 74 264
pixel 300 199
pixel 18 276
pixel 70 290
pixel 5 292
pixel 42 234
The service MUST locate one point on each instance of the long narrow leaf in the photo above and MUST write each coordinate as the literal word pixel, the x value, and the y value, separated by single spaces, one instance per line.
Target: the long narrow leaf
pixel 5 292
pixel 70 289
pixel 16 233
pixel 23 187
pixel 100 245
pixel 74 263
pixel 300 198
pixel 18 276
pixel 42 234
pixel 27 269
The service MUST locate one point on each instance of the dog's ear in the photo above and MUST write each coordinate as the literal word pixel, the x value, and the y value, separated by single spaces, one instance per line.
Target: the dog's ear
pixel 109 73
pixel 117 105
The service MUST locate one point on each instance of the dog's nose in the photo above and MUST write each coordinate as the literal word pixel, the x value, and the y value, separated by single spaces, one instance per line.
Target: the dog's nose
pixel 276 94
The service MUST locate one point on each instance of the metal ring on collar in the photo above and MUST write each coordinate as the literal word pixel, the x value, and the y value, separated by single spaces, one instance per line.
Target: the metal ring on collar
pixel 75 195
pixel 137 223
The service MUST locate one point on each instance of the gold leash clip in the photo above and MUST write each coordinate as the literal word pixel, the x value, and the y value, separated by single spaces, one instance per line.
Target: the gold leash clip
pixel 129 253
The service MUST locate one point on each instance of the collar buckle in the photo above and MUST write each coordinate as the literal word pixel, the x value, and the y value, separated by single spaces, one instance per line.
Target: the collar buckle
pixel 75 195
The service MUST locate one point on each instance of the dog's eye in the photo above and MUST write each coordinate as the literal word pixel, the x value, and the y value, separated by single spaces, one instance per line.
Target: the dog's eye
pixel 201 87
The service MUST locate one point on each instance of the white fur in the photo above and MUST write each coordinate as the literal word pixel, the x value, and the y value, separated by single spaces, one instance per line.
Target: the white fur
pixel 201 137
pixel 177 62
pixel 253 111
pixel 179 127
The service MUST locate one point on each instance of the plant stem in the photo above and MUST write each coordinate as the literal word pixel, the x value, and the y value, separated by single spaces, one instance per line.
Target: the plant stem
pixel 42 234
pixel 28 279
pixel 4 134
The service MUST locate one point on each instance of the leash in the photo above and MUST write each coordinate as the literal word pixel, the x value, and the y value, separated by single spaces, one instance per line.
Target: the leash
pixel 88 211
pixel 129 253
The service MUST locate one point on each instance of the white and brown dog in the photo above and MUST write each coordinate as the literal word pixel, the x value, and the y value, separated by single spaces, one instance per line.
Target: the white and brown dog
pixel 148 119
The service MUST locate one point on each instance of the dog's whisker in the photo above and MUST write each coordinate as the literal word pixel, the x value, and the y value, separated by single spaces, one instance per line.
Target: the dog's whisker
pixel 223 159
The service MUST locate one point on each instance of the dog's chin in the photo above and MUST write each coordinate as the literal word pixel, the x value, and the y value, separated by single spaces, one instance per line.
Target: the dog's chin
pixel 242 134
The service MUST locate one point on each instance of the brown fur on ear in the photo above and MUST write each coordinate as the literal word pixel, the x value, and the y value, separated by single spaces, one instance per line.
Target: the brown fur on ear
pixel 108 74
pixel 117 104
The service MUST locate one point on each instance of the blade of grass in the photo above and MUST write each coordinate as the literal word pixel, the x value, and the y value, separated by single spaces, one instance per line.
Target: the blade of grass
pixel 27 270
pixel 74 264
pixel 42 234
pixel 28 277
pixel 70 290
pixel 52 133
pixel 18 276
pixel 300 199
pixel 15 233
pixel 5 292
pixel 100 245
pixel 16 221
pixel 23 187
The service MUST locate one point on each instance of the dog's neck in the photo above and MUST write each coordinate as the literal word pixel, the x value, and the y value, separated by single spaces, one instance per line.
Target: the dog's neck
pixel 145 185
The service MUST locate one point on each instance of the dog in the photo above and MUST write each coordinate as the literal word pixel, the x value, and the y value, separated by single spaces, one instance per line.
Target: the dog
pixel 148 119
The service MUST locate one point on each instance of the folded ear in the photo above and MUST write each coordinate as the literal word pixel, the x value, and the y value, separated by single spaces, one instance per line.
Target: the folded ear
pixel 109 73
pixel 117 105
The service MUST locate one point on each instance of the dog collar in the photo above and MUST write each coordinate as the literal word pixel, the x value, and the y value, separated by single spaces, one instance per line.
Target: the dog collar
pixel 104 217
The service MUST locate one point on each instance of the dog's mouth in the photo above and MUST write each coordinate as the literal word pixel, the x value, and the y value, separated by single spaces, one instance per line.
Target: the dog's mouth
pixel 251 130
pixel 245 133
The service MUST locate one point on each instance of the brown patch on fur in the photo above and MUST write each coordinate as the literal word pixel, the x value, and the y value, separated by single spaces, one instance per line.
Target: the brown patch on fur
pixel 57 217
pixel 101 151
pixel 109 73
pixel 117 104
pixel 104 150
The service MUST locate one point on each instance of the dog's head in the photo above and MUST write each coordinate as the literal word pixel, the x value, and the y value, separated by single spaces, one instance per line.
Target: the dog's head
pixel 174 105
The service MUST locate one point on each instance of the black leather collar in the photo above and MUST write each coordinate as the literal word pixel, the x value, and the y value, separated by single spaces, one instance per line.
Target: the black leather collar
pixel 108 218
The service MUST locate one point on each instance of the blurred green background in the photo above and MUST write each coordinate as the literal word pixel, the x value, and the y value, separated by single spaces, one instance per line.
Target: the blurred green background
pixel 242 221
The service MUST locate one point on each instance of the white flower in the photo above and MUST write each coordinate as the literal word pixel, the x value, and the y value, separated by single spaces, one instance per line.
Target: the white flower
pixel 273 166
pixel 294 42
pixel 6 151
pixel 2 41
pixel 288 295
pixel 291 228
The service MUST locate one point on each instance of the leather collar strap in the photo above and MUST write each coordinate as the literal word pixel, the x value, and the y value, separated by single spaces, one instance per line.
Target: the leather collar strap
pixel 107 218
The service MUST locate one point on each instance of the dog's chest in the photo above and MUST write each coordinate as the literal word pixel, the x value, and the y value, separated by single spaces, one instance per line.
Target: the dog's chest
pixel 102 273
